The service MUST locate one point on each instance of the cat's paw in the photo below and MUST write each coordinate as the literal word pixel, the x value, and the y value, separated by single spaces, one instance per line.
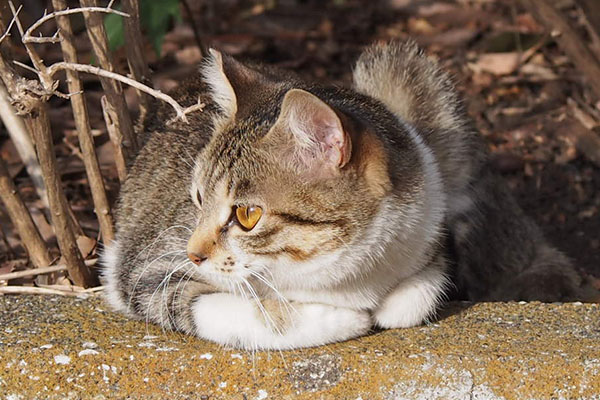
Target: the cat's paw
pixel 234 321
pixel 319 324
pixel 413 302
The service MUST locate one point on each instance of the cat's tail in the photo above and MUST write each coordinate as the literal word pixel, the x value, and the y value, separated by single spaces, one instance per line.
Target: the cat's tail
pixel 412 86
pixel 499 253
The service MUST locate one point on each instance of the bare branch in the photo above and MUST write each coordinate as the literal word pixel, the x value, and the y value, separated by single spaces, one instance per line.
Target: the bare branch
pixel 112 88
pixel 20 137
pixel 42 39
pixel 28 35
pixel 40 271
pixel 109 114
pixel 180 111
pixel 12 22
pixel 22 221
pixel 47 83
pixel 45 290
pixel 82 123
pixel 136 59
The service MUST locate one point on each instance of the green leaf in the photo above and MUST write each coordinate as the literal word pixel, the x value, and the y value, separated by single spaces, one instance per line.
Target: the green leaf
pixel 156 17
pixel 113 24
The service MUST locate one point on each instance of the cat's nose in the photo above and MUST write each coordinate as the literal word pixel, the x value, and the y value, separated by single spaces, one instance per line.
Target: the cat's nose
pixel 196 258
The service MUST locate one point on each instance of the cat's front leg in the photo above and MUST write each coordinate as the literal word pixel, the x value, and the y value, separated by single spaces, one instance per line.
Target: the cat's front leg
pixel 239 322
pixel 415 299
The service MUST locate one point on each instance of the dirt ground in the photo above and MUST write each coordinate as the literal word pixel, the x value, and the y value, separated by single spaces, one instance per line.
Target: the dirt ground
pixel 524 94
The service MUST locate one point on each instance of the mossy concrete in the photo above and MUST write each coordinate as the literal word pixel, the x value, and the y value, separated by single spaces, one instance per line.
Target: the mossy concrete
pixel 55 348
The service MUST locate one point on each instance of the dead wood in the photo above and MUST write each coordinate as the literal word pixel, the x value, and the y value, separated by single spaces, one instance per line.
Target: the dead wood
pixel 38 271
pixel 112 88
pixel 82 124
pixel 136 59
pixel 591 10
pixel 568 40
pixel 110 116
pixel 39 125
pixel 22 221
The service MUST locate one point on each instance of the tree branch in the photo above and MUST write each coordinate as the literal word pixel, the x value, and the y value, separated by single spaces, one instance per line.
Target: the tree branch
pixel 82 123
pixel 22 221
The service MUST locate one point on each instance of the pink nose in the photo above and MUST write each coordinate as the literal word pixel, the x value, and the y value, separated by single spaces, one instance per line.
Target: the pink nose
pixel 196 258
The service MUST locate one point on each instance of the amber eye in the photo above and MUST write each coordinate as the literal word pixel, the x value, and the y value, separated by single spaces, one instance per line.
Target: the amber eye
pixel 248 217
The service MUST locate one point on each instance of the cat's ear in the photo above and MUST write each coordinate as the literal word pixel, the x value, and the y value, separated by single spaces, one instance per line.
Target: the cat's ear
pixel 221 89
pixel 233 85
pixel 319 144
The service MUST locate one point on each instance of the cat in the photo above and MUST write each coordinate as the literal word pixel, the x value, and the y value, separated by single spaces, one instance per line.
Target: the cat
pixel 289 214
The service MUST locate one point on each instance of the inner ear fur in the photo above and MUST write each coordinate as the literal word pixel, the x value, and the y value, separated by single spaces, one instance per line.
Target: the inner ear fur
pixel 235 87
pixel 311 134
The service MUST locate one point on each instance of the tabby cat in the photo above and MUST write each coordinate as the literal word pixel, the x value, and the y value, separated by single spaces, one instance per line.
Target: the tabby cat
pixel 288 214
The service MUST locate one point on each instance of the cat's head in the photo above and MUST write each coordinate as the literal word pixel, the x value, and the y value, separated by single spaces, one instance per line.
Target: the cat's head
pixel 290 184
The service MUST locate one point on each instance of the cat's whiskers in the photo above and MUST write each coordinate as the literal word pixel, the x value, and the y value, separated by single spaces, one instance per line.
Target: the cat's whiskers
pixel 149 249
pixel 146 268
pixel 149 305
pixel 156 239
pixel 254 347
pixel 196 164
pixel 170 316
pixel 179 296
pixel 280 298
pixel 185 161
pixel 272 285
pixel 165 280
pixel 262 309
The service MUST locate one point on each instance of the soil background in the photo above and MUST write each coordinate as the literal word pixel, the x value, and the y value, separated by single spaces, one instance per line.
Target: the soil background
pixel 525 96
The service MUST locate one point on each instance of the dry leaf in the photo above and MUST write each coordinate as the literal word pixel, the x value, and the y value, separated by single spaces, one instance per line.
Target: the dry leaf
pixel 189 55
pixel 420 26
pixel 86 245
pixel 496 63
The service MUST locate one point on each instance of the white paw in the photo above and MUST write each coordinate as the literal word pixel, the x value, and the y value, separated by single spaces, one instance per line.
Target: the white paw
pixel 412 302
pixel 234 321
pixel 319 324
pixel 227 319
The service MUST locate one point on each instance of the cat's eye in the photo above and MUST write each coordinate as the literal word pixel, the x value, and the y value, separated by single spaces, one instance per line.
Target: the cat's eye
pixel 248 217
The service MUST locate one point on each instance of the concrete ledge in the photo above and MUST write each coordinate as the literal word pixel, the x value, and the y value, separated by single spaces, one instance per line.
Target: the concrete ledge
pixel 54 347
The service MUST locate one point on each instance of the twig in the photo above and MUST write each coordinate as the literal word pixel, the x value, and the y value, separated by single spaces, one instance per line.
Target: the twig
pixel 180 111
pixel 20 137
pixel 591 11
pixel 43 290
pixel 136 58
pixel 49 87
pixel 568 40
pixel 39 271
pixel 82 124
pixel 32 272
pixel 28 34
pixel 46 81
pixel 197 35
pixel 109 114
pixel 39 125
pixel 9 250
pixel 73 289
pixel 112 88
pixel 12 21
pixel 22 221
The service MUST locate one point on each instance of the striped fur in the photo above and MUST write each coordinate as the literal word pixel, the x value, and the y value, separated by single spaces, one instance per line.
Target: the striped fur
pixel 369 197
